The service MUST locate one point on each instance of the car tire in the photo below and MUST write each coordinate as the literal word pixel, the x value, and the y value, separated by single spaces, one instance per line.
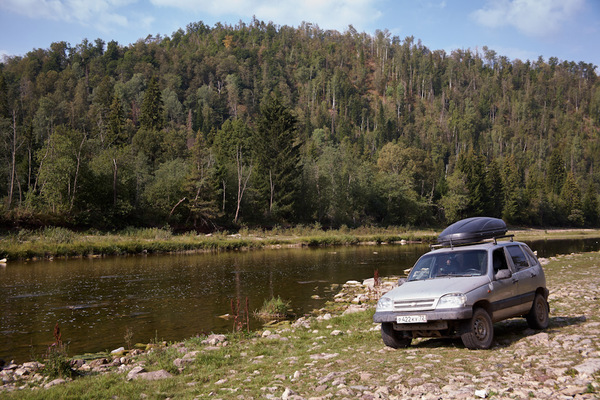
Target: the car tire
pixel 480 332
pixel 538 317
pixel 393 338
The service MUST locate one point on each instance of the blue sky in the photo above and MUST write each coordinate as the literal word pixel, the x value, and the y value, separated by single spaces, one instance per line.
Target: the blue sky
pixel 523 29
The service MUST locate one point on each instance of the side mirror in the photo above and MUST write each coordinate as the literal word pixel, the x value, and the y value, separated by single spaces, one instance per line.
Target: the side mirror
pixel 503 274
pixel 401 281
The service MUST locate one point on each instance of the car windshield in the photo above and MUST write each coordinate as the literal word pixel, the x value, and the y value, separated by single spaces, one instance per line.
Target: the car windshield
pixel 450 264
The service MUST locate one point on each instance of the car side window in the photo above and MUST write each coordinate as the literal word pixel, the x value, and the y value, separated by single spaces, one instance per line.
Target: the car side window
pixel 499 260
pixel 530 256
pixel 518 257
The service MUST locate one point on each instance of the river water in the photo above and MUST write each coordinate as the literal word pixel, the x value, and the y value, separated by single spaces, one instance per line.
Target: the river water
pixel 96 301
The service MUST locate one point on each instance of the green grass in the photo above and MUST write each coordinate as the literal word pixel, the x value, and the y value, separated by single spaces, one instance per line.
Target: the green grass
pixel 60 242
pixel 55 242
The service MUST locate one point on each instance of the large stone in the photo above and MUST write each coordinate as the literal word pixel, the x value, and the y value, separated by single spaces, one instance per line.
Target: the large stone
pixel 182 362
pixel 213 340
pixel 33 366
pixel 135 371
pixel 154 375
pixel 589 366
pixel 55 382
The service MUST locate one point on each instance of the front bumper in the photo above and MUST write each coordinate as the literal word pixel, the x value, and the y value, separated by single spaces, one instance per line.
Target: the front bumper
pixel 436 315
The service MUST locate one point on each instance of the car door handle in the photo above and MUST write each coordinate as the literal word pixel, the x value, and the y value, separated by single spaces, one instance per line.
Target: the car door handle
pixel 533 274
pixel 515 280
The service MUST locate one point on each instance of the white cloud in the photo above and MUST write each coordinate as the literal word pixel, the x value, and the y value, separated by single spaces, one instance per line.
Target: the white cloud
pixel 4 55
pixel 98 13
pixel 337 14
pixel 531 17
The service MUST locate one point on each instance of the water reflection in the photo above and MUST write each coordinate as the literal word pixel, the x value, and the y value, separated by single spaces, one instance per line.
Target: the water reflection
pixel 173 297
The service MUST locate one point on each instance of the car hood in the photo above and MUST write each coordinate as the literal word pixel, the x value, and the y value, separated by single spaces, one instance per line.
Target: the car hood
pixel 437 287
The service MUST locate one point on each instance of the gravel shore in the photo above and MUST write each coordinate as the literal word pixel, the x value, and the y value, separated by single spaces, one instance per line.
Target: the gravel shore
pixel 324 356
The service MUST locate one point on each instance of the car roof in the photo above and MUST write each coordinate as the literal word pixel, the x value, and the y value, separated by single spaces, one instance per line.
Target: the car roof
pixel 488 246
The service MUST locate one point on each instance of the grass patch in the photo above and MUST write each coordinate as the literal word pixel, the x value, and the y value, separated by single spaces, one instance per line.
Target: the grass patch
pixel 60 242
pixel 273 309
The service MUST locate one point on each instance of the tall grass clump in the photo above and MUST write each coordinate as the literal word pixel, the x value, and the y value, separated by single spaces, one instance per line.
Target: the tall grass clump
pixel 148 233
pixel 273 309
pixel 58 235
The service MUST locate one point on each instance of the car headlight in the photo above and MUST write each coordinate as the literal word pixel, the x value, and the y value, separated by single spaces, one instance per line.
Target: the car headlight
pixel 384 304
pixel 452 300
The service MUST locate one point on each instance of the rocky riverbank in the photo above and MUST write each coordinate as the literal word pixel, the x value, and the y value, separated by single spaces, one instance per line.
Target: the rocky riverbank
pixel 338 353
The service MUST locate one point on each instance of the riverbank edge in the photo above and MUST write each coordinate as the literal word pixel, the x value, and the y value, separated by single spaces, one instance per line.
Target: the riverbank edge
pixel 73 245
pixel 346 316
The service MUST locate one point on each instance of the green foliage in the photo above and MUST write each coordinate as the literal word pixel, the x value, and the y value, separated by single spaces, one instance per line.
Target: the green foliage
pixel 57 364
pixel 57 235
pixel 273 309
pixel 259 124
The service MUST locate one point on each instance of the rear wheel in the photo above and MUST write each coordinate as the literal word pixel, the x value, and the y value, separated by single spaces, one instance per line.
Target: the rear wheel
pixel 538 315
pixel 480 331
pixel 393 338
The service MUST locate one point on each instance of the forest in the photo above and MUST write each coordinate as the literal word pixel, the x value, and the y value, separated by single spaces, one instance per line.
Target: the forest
pixel 260 125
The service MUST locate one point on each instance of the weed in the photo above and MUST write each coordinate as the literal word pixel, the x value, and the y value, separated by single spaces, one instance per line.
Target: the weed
pixel 273 309
pixel 57 364
pixel 128 337
pixel 572 372
pixel 241 318
pixel 590 388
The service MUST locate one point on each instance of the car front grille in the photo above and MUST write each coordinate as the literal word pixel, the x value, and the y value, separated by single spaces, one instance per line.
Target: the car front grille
pixel 414 304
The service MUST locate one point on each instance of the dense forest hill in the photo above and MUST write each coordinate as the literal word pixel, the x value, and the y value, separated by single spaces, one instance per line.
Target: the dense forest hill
pixel 258 124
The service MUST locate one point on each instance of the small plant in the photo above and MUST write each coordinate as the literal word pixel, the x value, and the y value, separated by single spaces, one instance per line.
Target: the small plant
pixel 273 309
pixel 241 318
pixel 572 372
pixel 128 337
pixel 590 388
pixel 57 364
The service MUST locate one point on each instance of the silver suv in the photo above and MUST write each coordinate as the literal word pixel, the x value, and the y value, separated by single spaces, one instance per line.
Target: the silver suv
pixel 466 283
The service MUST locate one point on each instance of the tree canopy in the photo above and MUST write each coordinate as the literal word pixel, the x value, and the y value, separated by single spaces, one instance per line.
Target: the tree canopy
pixel 260 124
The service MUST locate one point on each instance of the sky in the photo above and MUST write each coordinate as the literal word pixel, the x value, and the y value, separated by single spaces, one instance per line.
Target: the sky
pixel 518 29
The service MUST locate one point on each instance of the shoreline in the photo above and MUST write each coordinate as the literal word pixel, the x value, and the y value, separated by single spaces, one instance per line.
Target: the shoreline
pixel 67 244
pixel 338 351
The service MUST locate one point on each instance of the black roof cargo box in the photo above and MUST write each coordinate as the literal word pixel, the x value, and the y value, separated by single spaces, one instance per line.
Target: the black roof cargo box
pixel 472 230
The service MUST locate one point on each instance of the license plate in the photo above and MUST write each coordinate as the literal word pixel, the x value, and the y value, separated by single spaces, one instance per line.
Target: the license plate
pixel 411 319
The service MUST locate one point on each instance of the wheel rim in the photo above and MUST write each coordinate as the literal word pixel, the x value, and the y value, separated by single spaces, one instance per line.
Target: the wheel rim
pixel 480 329
pixel 540 310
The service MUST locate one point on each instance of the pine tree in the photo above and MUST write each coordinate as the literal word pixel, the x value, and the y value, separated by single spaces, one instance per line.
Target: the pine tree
pixel 152 117
pixel 277 151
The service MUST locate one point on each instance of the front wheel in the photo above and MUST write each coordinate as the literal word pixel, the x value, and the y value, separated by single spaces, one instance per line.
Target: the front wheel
pixel 538 315
pixel 480 332
pixel 393 338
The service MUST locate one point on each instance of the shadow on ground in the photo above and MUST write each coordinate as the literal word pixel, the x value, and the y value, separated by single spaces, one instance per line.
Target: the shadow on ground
pixel 507 332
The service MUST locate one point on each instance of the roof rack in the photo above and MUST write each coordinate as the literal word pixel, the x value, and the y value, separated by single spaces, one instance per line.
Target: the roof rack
pixel 452 244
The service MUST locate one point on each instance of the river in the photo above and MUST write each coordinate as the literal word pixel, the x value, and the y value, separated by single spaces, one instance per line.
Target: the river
pixel 95 301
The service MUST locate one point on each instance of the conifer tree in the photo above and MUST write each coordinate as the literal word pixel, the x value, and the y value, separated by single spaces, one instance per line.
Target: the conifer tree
pixel 152 107
pixel 278 159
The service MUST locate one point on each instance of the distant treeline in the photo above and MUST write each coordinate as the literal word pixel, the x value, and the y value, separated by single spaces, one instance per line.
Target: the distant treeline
pixel 263 125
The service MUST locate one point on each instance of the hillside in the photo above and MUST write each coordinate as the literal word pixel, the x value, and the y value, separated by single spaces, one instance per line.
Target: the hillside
pixel 263 125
